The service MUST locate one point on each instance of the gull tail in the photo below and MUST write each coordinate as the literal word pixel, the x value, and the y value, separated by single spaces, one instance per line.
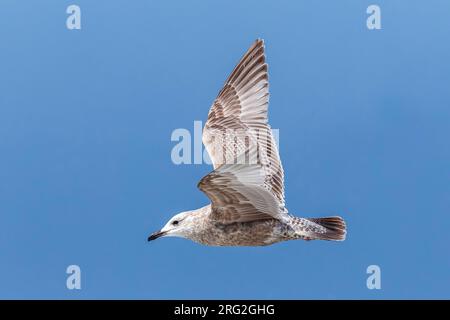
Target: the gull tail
pixel 335 228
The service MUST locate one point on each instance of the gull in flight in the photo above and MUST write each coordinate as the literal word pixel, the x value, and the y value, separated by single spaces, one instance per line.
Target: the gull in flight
pixel 246 187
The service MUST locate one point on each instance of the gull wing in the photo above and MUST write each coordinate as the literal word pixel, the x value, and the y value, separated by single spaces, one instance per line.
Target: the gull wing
pixel 237 121
pixel 238 194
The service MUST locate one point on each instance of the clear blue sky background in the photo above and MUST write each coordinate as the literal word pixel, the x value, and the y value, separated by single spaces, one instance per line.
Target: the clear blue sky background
pixel 85 124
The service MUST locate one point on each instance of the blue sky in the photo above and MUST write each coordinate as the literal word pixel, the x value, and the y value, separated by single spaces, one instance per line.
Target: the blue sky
pixel 85 123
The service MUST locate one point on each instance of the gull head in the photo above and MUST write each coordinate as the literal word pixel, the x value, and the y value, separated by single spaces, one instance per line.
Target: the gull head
pixel 180 225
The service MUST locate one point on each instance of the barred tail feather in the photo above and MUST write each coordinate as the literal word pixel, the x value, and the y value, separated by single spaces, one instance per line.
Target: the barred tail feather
pixel 335 228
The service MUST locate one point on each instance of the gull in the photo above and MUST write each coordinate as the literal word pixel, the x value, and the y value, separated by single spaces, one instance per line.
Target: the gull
pixel 246 187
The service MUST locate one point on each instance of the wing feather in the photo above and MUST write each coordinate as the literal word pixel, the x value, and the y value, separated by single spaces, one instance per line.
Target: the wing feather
pixel 237 121
pixel 238 194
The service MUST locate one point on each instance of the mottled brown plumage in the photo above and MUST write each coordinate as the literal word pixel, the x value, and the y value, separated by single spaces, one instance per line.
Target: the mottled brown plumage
pixel 246 188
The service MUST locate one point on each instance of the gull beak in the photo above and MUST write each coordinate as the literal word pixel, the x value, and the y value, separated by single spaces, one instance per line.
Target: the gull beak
pixel 156 235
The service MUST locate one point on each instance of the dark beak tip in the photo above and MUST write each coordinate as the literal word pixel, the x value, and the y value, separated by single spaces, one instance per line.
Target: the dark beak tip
pixel 155 235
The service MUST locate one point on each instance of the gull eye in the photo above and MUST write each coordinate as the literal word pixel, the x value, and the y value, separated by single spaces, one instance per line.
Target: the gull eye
pixel 175 222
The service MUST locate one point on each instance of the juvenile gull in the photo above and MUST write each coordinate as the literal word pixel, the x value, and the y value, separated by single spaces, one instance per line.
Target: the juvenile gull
pixel 246 188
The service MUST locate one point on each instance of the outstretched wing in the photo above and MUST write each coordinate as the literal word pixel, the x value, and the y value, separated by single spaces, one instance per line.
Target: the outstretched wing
pixel 238 194
pixel 237 121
